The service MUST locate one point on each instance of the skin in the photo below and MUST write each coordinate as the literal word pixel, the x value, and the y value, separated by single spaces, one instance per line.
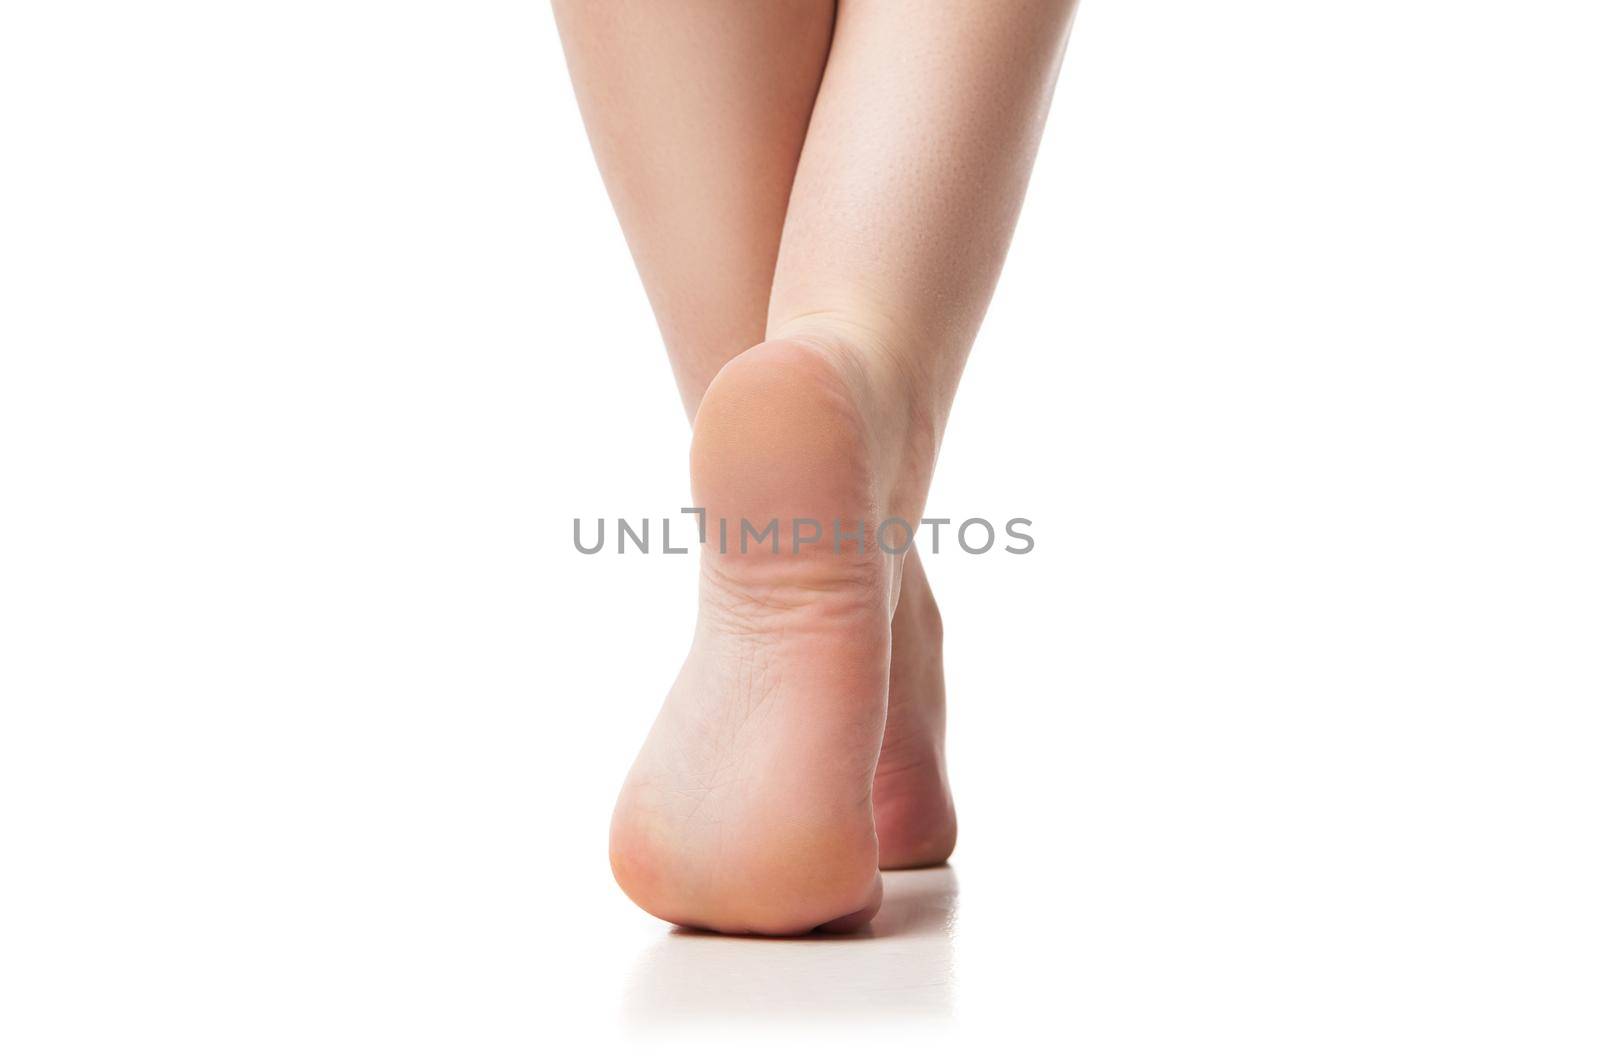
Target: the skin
pixel 819 199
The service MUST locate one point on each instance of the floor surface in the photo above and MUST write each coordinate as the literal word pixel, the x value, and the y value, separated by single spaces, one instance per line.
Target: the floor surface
pixel 901 966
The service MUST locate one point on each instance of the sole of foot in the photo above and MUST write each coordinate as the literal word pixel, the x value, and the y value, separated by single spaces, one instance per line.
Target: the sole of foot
pixel 749 808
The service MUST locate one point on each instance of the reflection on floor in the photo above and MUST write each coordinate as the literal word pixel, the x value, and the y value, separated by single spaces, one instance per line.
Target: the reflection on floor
pixel 902 964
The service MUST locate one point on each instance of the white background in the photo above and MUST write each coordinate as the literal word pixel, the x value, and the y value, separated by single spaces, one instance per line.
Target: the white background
pixel 316 331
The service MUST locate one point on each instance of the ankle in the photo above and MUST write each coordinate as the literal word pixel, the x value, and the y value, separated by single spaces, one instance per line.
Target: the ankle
pixel 898 401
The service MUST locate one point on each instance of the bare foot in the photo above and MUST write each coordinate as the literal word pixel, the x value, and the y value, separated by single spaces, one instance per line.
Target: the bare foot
pixel 749 809
pixel 911 803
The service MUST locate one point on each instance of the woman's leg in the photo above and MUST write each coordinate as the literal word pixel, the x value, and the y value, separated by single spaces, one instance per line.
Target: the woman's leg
pixel 700 179
pixel 919 151
pixel 697 110
pixel 751 805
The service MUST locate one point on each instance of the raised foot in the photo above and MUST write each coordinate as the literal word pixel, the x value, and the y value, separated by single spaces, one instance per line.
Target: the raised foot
pixel 750 808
